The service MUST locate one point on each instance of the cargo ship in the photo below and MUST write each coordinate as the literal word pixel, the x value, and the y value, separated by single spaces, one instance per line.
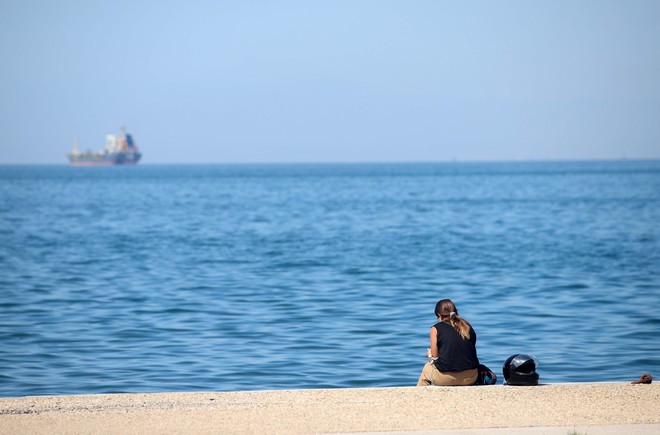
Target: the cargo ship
pixel 119 150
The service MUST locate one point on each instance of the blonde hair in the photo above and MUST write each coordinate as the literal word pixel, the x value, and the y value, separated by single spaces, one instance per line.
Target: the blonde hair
pixel 447 312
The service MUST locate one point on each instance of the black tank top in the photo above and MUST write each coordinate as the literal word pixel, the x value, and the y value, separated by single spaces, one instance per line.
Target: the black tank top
pixel 454 353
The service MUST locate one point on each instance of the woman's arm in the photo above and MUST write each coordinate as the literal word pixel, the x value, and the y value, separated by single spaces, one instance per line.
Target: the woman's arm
pixel 434 342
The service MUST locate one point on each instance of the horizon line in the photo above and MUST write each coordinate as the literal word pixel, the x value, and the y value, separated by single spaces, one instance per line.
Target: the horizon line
pixel 366 162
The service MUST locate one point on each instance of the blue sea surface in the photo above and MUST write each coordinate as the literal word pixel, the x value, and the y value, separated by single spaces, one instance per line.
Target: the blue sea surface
pixel 260 277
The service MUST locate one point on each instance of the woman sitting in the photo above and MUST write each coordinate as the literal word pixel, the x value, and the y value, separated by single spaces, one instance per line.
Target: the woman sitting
pixel 453 354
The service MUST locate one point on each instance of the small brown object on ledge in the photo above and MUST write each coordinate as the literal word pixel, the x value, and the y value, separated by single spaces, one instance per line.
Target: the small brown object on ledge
pixel 644 379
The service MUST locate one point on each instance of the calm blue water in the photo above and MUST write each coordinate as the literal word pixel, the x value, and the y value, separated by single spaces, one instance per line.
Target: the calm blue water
pixel 237 277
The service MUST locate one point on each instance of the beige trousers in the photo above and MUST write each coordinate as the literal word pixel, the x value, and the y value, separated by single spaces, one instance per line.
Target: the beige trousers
pixel 432 376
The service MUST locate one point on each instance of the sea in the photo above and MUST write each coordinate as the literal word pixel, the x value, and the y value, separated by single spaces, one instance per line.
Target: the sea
pixel 161 278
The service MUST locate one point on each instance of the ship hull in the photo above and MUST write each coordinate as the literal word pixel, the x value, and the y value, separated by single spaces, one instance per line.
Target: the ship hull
pixel 113 159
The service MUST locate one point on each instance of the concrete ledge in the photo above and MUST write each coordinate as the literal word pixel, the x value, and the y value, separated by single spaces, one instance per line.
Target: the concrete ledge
pixel 555 408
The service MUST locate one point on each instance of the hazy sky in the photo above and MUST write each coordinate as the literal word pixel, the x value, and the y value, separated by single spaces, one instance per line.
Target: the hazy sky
pixel 331 81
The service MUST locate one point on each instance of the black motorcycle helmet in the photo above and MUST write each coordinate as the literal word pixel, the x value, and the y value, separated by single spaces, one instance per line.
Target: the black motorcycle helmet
pixel 520 369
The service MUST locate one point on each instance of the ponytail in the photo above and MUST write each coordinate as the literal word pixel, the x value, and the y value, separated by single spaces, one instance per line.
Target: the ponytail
pixel 461 325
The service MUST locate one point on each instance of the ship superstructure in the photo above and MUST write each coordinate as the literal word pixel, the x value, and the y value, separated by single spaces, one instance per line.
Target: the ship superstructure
pixel 119 150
